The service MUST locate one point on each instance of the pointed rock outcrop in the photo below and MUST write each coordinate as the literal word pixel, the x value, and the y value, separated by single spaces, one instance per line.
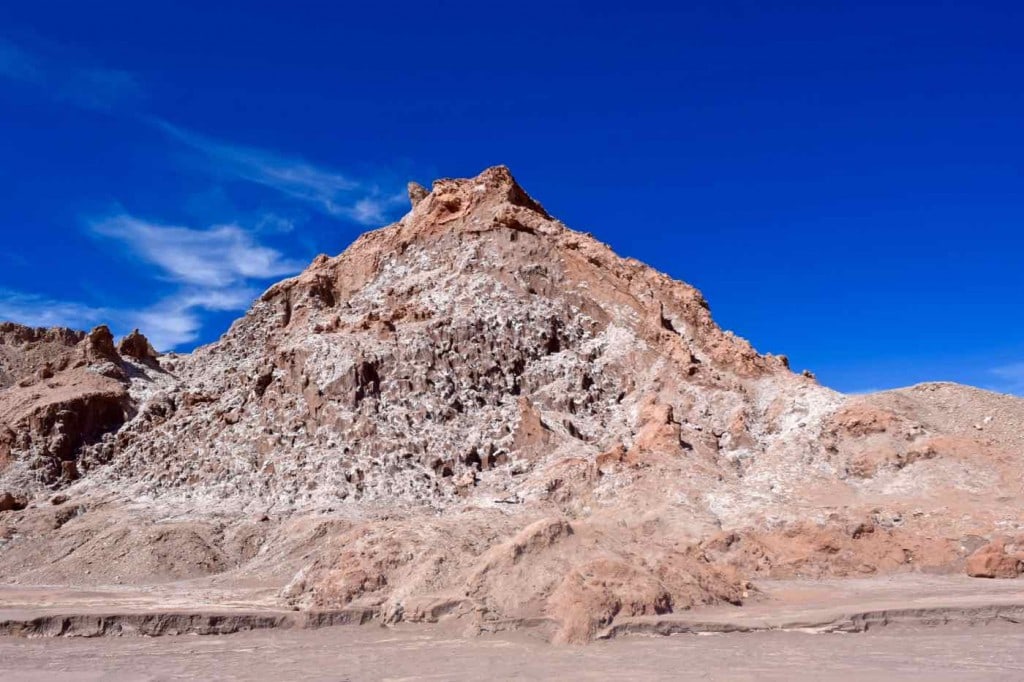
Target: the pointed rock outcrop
pixel 136 345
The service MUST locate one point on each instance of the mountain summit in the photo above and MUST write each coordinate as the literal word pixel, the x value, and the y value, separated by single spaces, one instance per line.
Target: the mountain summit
pixel 454 350
pixel 479 413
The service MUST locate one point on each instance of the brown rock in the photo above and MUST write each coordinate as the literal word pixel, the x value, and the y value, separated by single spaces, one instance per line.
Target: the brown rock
pixel 996 560
pixel 78 394
pixel 99 346
pixel 136 345
pixel 417 193
pixel 12 502
pixel 69 471
pixel 26 351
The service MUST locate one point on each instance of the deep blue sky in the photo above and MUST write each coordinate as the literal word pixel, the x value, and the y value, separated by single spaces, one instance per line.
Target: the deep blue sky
pixel 845 184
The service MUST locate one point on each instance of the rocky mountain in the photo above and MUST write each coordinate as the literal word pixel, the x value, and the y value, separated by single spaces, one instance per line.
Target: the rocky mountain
pixel 61 390
pixel 479 413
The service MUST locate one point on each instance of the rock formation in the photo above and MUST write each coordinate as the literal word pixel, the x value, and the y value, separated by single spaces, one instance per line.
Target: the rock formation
pixel 136 346
pixel 479 413
pixel 1001 558
pixel 65 390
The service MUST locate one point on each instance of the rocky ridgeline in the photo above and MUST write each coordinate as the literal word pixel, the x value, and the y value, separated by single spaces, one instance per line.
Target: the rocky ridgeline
pixel 479 413
pixel 65 390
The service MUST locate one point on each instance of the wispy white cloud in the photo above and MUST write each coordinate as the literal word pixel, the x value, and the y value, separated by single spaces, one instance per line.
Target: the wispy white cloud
pixel 171 322
pixel 330 191
pixel 14 258
pixel 57 76
pixel 101 89
pixel 39 311
pixel 178 319
pixel 272 223
pixel 1010 378
pixel 865 391
pixel 18 64
pixel 221 256
pixel 217 269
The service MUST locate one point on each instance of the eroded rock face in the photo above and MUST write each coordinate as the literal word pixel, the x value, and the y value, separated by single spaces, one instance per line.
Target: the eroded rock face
pixel 479 413
pixel 27 353
pixel 137 346
pixel 74 391
pixel 11 502
pixel 417 193
pixel 466 342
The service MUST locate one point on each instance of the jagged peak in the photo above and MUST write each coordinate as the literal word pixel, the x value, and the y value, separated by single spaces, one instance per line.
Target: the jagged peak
pixel 493 212
pixel 497 182
pixel 99 345
pixel 487 199
pixel 20 333
pixel 492 200
pixel 417 193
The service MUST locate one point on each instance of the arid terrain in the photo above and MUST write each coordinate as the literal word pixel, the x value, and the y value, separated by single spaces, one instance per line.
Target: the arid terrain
pixel 956 653
pixel 908 627
pixel 479 419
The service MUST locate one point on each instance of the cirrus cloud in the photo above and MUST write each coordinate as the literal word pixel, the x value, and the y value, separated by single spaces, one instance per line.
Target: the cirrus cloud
pixel 217 269
pixel 329 191
pixel 59 76
pixel 220 256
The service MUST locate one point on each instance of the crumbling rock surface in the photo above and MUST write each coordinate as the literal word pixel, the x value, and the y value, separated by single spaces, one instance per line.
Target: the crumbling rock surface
pixel 137 346
pixel 477 413
pixel 70 389
pixel 28 354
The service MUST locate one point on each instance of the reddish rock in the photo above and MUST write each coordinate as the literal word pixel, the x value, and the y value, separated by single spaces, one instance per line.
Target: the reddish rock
pixel 26 352
pixel 12 502
pixel 77 393
pixel 136 345
pixel 998 559
pixel 417 193
pixel 99 346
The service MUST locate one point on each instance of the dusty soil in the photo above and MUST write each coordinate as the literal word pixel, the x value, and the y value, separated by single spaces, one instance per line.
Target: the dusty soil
pixel 955 653
pixel 205 607
pixel 901 627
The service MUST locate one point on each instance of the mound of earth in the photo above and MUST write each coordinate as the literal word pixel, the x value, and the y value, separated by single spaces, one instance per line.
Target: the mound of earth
pixel 477 413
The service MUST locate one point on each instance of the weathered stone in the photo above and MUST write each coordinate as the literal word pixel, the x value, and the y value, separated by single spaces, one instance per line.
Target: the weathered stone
pixel 417 193
pixel 136 345
pixel 11 502
pixel 995 561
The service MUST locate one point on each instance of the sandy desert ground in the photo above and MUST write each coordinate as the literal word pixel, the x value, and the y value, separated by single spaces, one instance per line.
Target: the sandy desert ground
pixel 904 627
pixel 954 653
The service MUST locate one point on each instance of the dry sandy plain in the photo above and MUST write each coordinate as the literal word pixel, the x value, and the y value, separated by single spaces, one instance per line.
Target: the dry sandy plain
pixel 906 627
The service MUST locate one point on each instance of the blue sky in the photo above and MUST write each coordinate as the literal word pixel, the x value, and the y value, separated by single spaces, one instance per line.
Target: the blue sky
pixel 843 181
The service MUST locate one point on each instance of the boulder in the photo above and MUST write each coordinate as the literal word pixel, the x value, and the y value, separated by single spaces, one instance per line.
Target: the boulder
pixel 997 559
pixel 11 502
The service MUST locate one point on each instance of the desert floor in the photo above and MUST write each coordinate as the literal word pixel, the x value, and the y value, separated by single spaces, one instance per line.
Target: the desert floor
pixel 953 652
pixel 908 627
